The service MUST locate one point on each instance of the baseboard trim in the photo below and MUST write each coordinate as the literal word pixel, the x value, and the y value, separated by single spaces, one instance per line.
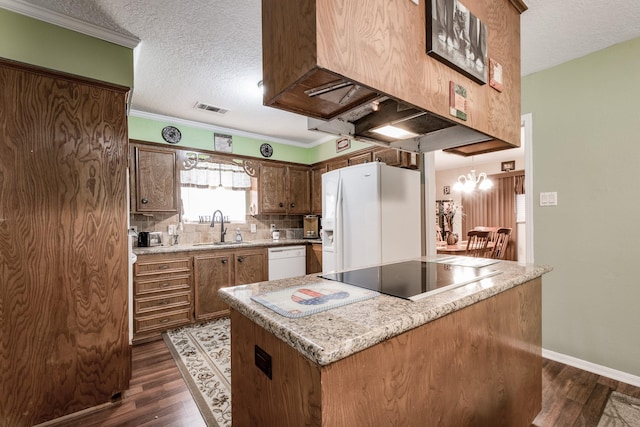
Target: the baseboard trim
pixel 592 367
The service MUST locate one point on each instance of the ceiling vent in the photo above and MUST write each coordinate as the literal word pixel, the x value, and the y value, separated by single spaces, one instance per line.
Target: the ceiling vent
pixel 207 107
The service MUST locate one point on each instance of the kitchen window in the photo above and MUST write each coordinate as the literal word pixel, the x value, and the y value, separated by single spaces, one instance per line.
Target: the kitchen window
pixel 210 186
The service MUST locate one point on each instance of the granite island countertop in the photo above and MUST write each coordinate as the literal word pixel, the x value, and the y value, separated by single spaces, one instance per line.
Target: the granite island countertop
pixel 187 247
pixel 331 335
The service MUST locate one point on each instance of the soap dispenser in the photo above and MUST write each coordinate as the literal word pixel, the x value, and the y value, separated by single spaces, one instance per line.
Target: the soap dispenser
pixel 238 236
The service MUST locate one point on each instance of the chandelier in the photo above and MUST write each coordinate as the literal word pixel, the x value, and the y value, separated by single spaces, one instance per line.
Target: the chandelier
pixel 469 182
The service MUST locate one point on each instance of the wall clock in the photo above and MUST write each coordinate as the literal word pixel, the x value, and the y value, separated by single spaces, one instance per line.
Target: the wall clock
pixel 171 134
pixel 266 150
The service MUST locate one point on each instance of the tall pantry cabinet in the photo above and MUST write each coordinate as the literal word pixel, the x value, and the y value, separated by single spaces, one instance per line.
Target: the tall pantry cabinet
pixel 63 244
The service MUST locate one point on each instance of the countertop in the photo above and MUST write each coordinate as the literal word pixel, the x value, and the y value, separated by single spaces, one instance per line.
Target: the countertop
pixel 186 247
pixel 334 334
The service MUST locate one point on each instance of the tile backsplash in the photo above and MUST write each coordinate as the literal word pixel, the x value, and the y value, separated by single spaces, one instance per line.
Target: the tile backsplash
pixel 290 227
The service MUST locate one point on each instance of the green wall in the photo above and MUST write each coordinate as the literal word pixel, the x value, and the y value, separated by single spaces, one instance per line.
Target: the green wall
pixel 35 42
pixel 327 150
pixel 200 136
pixel 586 146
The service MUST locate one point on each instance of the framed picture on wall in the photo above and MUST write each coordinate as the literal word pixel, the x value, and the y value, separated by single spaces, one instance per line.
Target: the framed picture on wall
pixel 508 166
pixel 223 143
pixel 457 38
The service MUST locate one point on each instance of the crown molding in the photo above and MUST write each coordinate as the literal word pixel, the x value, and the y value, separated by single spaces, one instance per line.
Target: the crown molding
pixel 70 23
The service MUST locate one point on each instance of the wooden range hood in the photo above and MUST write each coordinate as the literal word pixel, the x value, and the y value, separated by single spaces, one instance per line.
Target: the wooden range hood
pixel 350 66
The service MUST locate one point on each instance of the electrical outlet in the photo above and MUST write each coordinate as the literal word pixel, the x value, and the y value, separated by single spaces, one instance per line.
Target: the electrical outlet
pixel 254 229
pixel 171 229
pixel 273 227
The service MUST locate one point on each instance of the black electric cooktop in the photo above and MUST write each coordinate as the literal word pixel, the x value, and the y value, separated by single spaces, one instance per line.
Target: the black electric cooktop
pixel 412 279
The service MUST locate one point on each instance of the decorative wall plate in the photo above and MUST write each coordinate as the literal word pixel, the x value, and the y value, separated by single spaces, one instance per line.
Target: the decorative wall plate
pixel 171 134
pixel 266 150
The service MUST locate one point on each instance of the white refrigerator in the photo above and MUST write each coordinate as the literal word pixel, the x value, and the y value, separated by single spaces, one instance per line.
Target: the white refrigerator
pixel 370 216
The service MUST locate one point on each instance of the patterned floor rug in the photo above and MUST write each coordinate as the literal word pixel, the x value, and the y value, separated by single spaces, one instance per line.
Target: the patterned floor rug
pixel 203 355
pixel 621 411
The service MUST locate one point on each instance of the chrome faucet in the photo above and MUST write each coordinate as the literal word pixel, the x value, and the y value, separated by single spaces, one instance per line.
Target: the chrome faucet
pixel 223 230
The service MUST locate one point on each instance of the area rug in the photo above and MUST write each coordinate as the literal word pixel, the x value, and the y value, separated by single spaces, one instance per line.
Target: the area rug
pixel 203 355
pixel 621 411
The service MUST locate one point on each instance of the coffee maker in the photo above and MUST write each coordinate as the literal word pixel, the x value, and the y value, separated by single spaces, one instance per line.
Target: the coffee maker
pixel 310 227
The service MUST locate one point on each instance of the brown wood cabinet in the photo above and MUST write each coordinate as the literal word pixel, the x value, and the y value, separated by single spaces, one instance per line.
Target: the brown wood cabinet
pixel 340 162
pixel 394 157
pixel 284 189
pixel 211 271
pixel 156 183
pixel 314 258
pixel 63 251
pixel 162 295
pixel 360 158
pixel 250 266
pixel 316 188
pixel 323 71
pixel 407 380
pixel 219 269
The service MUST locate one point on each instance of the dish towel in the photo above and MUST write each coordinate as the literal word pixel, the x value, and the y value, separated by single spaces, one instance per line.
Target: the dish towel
pixel 304 300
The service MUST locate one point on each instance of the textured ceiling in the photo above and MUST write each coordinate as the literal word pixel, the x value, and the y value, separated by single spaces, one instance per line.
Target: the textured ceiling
pixel 210 51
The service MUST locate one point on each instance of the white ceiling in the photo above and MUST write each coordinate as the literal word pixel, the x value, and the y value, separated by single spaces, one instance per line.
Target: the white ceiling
pixel 210 51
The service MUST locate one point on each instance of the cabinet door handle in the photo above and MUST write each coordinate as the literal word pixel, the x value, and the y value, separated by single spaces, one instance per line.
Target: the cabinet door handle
pixel 240 258
pixel 292 205
pixel 144 201
pixel 164 320
pixel 163 267
pixel 224 260
pixel 281 204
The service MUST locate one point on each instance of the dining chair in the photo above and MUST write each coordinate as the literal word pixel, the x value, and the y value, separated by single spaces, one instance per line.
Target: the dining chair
pixel 477 242
pixel 501 242
pixel 492 232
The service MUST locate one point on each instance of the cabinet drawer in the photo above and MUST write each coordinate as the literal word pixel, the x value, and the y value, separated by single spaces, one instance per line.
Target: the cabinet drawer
pixel 162 322
pixel 166 266
pixel 163 302
pixel 172 283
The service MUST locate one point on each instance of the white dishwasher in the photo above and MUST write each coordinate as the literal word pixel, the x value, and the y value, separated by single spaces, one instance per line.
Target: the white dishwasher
pixel 287 261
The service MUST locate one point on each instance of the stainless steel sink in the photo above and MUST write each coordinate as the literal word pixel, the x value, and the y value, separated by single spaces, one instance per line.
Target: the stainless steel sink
pixel 216 244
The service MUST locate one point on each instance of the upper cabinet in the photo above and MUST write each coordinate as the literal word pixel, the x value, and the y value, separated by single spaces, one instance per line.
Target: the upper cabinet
pixel 155 181
pixel 284 189
pixel 351 82
pixel 316 188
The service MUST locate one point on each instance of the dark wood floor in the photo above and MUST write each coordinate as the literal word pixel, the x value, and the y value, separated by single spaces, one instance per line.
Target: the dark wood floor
pixel 158 395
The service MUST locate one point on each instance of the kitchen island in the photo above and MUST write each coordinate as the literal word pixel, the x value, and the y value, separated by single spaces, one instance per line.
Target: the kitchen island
pixel 467 356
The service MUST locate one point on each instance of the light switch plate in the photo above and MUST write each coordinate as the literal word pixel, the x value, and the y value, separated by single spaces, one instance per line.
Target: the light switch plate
pixel 549 198
pixel 253 228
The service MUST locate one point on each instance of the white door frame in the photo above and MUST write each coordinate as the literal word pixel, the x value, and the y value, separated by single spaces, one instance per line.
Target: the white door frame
pixel 527 124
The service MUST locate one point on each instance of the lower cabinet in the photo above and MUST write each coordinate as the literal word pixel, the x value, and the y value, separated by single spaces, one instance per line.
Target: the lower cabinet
pixel 180 288
pixel 212 271
pixel 314 258
pixel 218 269
pixel 162 296
pixel 250 266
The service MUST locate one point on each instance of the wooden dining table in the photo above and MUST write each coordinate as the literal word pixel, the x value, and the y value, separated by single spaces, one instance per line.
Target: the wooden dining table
pixel 459 248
